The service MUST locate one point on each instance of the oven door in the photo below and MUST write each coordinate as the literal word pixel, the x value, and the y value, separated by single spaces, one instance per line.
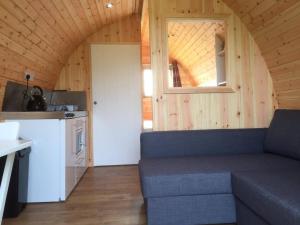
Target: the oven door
pixel 79 141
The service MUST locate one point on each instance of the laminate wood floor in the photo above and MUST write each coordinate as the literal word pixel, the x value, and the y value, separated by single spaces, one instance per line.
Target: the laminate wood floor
pixel 105 196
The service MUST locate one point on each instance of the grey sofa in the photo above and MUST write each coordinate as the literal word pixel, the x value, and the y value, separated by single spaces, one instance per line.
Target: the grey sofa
pixel 248 176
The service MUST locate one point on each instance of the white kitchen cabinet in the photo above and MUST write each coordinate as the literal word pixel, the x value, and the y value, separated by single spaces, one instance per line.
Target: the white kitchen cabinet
pixel 55 165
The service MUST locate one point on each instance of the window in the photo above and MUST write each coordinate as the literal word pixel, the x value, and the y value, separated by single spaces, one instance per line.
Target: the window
pixel 196 52
pixel 148 83
pixel 147 98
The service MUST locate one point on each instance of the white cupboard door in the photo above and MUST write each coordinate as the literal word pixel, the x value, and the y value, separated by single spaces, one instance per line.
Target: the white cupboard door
pixel 117 117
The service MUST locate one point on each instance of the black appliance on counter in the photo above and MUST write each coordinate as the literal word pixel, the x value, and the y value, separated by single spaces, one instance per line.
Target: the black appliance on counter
pixel 37 101
pixel 18 186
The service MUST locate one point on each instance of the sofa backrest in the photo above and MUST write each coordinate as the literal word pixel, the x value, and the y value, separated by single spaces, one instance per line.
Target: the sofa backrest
pixel 202 142
pixel 283 136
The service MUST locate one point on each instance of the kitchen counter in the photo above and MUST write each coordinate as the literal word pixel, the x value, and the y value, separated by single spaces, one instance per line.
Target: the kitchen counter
pixel 59 148
pixel 38 115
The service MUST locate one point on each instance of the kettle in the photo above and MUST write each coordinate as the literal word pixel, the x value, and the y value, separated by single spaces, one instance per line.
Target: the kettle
pixel 37 101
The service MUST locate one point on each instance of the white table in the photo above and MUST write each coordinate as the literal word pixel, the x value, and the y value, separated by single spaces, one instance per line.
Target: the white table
pixel 9 148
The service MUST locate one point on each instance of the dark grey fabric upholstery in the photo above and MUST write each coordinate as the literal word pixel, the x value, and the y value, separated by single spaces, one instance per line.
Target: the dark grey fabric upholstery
pixel 201 142
pixel 191 210
pixel 283 136
pixel 188 177
pixel 202 175
pixel 246 216
pixel 273 195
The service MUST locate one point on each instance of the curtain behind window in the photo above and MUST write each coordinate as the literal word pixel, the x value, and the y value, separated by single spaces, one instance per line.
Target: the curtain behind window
pixel 176 75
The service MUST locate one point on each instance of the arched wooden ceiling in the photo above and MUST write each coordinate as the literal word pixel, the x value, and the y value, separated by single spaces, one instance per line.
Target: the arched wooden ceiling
pixel 39 35
pixel 275 25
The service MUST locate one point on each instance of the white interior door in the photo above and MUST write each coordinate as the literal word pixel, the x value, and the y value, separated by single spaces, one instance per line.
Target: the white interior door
pixel 117 117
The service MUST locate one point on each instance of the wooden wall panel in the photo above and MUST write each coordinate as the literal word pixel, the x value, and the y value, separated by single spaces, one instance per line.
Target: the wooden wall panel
pixel 74 75
pixel 252 103
pixel 275 26
pixel 126 30
pixel 145 36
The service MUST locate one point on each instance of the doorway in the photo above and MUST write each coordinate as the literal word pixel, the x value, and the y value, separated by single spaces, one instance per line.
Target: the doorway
pixel 117 116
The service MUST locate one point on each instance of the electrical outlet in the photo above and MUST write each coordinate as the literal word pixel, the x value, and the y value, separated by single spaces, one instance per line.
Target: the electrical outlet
pixel 26 74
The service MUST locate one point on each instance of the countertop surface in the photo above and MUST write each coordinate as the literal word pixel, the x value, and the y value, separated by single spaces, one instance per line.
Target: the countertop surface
pixel 38 115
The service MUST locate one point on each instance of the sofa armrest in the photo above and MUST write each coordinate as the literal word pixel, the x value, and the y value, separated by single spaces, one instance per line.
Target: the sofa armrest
pixel 201 142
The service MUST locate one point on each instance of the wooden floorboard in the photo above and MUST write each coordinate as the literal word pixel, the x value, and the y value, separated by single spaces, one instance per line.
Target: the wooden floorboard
pixel 105 196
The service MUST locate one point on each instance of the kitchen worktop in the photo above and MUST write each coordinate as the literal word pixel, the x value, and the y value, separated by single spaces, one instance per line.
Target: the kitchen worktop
pixel 37 115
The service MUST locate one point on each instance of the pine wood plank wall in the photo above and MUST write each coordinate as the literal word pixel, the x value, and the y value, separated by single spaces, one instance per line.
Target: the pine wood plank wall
pixel 145 36
pixel 275 26
pixel 252 103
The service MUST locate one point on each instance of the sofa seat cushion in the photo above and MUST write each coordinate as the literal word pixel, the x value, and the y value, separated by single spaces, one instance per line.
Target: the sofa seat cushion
pixel 283 136
pixel 273 195
pixel 203 174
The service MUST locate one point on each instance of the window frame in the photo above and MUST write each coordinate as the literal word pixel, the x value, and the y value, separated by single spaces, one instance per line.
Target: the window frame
pixel 196 90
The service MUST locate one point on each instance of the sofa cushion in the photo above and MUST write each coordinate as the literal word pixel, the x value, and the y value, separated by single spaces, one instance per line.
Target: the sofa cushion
pixel 202 142
pixel 203 174
pixel 273 195
pixel 283 136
